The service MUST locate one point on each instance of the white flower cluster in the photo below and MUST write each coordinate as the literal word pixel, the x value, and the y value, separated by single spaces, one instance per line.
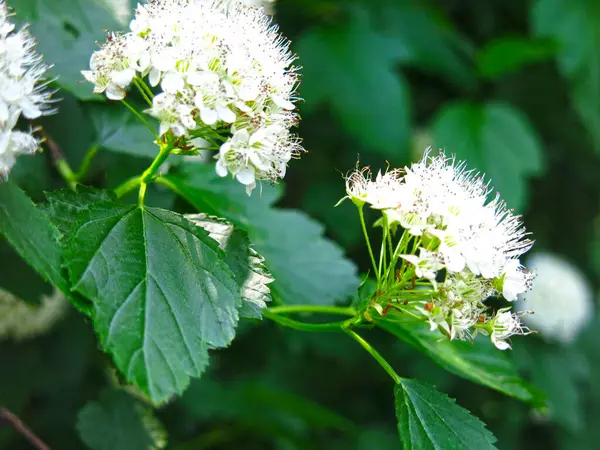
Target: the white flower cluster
pixel 19 320
pixel 23 91
pixel 561 299
pixel 225 74
pixel 467 247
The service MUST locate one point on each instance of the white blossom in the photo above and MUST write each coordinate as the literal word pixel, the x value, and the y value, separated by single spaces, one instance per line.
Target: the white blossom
pixel 222 70
pixel 560 299
pixel 20 320
pixel 505 325
pixel 23 90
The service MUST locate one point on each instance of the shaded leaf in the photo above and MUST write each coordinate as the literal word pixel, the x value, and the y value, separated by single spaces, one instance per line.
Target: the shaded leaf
pixel 307 267
pixel 508 54
pixel 496 139
pixel 67 32
pixel 162 294
pixel 351 67
pixel 479 362
pixel 246 265
pixel 118 422
pixel 118 130
pixel 32 234
pixel 428 419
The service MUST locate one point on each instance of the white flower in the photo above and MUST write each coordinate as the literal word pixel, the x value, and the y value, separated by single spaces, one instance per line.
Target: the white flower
pixel 223 71
pixel 560 299
pixel 23 90
pixel 503 326
pixel 427 264
pixel 20 320
pixel 515 279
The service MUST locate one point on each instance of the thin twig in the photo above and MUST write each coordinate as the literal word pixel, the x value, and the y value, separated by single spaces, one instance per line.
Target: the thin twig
pixel 21 428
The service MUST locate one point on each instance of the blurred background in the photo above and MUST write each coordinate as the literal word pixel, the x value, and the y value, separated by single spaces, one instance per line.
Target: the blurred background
pixel 513 87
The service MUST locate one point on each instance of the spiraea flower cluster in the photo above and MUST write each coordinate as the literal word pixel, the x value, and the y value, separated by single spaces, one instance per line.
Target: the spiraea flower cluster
pixel 23 91
pixel 561 299
pixel 457 247
pixel 226 81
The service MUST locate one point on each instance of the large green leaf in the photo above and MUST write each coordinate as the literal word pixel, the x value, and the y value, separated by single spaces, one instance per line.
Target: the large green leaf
pixel 351 67
pixel 119 422
pixel 118 130
pixel 32 234
pixel 479 362
pixel 247 265
pixel 64 205
pixel 307 267
pixel 496 139
pixel 508 54
pixel 573 24
pixel 429 420
pixel 162 294
pixel 67 32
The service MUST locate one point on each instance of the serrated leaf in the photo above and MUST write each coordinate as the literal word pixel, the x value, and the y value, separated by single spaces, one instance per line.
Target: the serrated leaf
pixel 493 138
pixel 573 24
pixel 161 292
pixel 307 267
pixel 67 31
pixel 64 205
pixel 351 67
pixel 32 234
pixel 119 131
pixel 428 419
pixel 479 362
pixel 119 422
pixel 246 265
pixel 510 53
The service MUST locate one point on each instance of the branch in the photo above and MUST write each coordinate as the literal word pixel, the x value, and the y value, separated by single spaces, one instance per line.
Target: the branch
pixel 21 428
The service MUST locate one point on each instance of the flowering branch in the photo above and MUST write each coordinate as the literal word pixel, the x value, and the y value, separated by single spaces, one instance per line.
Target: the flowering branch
pixel 21 428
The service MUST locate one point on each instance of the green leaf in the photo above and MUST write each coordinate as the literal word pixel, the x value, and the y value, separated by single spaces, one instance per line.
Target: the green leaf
pixel 64 205
pixel 479 362
pixel 351 67
pixel 307 267
pixel 429 39
pixel 162 294
pixel 67 32
pixel 573 24
pixel 508 54
pixel 246 265
pixel 118 422
pixel 496 139
pixel 428 419
pixel 118 130
pixel 32 234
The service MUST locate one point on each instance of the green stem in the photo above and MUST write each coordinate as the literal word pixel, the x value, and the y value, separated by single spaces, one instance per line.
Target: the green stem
pixel 142 118
pixel 87 162
pixel 127 186
pixel 302 326
pixel 150 172
pixel 144 90
pixel 291 309
pixel 66 172
pixel 375 354
pixel 364 228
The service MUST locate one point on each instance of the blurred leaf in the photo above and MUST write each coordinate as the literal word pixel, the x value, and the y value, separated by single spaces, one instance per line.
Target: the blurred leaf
pixel 428 38
pixel 351 67
pixel 118 130
pixel 118 422
pixel 64 205
pixel 573 24
pixel 67 32
pixel 247 265
pixel 428 419
pixel 479 362
pixel 496 139
pixel 508 54
pixel 162 294
pixel 30 232
pixel 307 267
